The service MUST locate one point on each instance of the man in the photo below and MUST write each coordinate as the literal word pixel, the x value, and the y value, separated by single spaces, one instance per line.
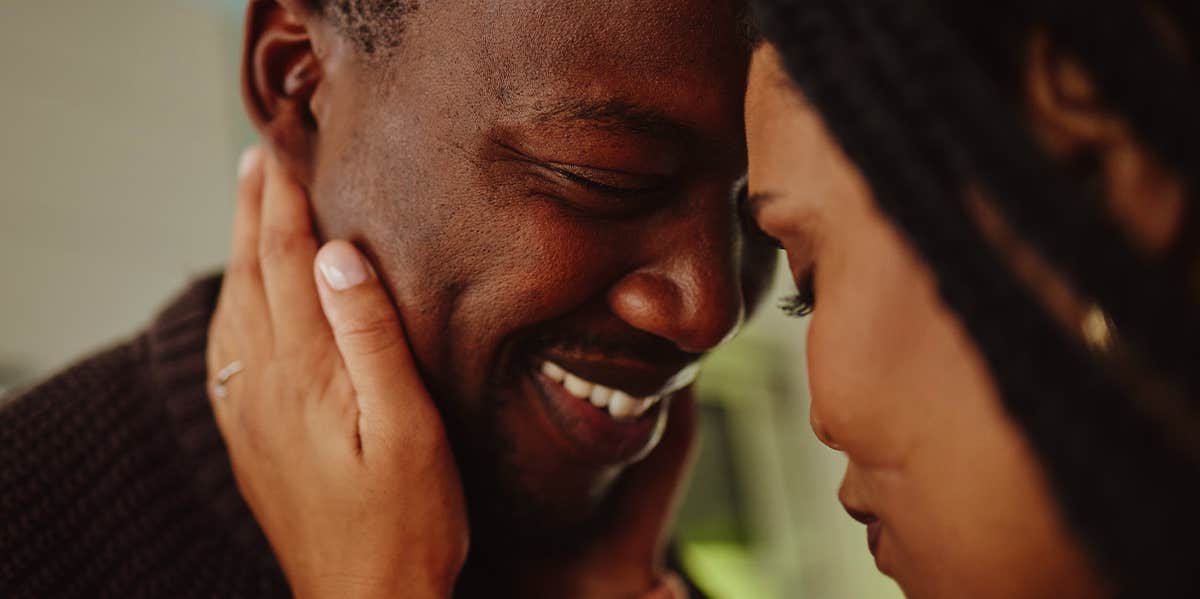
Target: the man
pixel 543 185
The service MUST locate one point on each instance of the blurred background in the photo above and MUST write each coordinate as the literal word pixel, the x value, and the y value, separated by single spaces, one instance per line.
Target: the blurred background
pixel 117 162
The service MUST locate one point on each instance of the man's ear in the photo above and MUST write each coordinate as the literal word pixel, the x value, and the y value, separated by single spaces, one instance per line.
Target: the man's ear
pixel 281 78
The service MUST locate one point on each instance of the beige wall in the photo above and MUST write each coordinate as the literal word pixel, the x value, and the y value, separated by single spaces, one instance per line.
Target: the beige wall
pixel 117 149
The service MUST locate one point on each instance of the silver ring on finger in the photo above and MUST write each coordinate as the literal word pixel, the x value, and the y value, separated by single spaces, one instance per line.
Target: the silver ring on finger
pixel 220 391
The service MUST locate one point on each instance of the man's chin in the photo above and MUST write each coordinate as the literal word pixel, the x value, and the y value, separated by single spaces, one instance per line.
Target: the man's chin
pixel 543 462
pixel 529 522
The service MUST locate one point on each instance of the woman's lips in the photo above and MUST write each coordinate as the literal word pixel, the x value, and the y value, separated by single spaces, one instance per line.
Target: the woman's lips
pixel 874 529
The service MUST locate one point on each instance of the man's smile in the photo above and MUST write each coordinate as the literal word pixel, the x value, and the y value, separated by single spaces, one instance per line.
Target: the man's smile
pixel 620 405
pixel 607 411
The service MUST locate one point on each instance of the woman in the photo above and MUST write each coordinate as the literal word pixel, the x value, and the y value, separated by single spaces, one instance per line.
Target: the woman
pixel 995 211
pixel 1047 195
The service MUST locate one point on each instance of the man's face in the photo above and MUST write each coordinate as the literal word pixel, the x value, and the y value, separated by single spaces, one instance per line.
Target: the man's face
pixel 548 180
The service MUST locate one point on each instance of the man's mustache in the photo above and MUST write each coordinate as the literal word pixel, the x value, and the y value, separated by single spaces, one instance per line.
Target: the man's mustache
pixel 632 345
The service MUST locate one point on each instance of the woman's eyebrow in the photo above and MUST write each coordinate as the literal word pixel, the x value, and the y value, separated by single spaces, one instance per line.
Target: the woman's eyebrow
pixel 758 200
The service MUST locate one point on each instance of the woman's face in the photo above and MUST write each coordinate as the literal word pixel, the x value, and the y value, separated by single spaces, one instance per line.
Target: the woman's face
pixel 954 499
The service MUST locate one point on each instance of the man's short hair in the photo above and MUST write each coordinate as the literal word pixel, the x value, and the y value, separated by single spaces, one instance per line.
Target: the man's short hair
pixel 371 24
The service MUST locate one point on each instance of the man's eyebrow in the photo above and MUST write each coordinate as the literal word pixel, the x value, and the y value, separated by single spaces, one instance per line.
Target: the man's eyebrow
pixel 616 115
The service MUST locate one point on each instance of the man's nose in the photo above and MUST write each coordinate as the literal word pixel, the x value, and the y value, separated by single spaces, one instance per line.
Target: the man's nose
pixel 693 298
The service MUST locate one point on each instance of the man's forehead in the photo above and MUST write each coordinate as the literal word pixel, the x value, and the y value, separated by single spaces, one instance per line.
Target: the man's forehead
pixel 651 67
pixel 665 69
pixel 646 15
pixel 653 34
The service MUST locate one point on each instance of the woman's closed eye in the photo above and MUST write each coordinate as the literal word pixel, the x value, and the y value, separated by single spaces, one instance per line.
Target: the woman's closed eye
pixel 800 304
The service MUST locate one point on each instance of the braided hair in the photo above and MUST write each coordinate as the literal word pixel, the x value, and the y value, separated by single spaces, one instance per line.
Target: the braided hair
pixel 919 93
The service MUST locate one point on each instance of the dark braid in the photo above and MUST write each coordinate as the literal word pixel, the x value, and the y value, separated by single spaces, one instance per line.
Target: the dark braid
pixel 909 105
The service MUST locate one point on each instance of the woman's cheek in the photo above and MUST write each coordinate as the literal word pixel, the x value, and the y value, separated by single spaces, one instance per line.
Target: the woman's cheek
pixel 853 409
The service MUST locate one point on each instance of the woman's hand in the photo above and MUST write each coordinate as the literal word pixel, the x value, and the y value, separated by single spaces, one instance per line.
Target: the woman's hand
pixel 335 443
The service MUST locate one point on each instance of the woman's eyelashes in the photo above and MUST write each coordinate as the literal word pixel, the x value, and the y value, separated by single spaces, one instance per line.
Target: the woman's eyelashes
pixel 804 301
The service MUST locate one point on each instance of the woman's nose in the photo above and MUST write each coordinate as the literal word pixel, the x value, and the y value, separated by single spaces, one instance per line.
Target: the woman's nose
pixel 818 427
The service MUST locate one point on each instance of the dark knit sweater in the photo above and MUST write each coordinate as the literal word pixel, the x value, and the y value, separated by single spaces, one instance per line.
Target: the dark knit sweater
pixel 114 481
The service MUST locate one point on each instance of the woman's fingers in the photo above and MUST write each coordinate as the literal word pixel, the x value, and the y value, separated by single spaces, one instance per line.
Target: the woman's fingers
pixel 242 294
pixel 305 417
pixel 286 248
pixel 371 341
pixel 240 330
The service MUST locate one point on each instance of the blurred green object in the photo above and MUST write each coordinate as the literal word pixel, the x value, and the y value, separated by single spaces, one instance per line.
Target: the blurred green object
pixel 725 570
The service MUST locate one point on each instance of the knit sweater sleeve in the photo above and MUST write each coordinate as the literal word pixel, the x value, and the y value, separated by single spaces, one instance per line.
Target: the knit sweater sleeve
pixel 99 496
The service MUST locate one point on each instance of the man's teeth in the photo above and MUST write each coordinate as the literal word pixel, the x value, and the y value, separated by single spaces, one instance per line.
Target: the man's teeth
pixel 601 396
pixel 620 405
pixel 553 371
pixel 624 406
pixel 577 386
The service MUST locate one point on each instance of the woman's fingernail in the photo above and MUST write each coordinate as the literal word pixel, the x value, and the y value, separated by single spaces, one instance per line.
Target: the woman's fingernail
pixel 249 160
pixel 342 266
